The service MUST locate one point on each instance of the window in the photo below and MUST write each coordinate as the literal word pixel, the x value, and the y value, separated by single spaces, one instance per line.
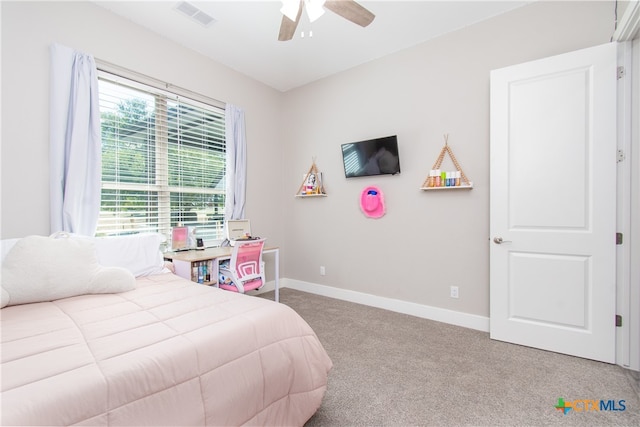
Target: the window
pixel 163 161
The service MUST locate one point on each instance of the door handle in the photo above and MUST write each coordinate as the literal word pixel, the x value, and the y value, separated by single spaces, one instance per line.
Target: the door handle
pixel 499 241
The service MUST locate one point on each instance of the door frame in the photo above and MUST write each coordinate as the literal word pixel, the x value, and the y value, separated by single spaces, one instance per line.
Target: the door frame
pixel 628 184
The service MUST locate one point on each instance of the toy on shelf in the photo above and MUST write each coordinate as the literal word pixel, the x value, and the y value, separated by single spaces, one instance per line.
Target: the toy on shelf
pixel 312 185
pixel 446 180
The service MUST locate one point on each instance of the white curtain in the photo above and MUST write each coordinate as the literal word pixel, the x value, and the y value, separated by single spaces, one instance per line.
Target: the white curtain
pixel 75 146
pixel 236 177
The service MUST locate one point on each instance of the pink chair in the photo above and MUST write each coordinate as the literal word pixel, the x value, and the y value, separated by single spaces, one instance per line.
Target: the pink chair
pixel 246 269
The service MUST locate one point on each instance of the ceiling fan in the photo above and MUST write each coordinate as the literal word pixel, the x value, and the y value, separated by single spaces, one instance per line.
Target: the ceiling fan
pixel 292 11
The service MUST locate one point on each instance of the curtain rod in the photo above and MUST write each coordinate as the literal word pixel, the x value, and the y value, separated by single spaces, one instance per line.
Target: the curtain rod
pixel 159 84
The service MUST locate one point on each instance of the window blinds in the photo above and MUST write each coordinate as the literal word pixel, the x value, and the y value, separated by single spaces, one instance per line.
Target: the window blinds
pixel 163 161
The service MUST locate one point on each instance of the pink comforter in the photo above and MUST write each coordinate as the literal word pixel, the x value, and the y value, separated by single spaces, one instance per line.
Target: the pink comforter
pixel 168 353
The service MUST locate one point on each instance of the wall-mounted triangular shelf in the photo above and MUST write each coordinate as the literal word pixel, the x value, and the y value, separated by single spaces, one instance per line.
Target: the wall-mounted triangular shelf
pixel 430 182
pixel 312 185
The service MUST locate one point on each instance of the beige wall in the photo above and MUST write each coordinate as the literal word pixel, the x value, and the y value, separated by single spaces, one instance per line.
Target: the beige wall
pixel 426 242
pixel 29 28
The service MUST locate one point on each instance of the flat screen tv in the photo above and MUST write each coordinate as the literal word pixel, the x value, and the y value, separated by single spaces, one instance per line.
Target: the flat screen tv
pixel 371 157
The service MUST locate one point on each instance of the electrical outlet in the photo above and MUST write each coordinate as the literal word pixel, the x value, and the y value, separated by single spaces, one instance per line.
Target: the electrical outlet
pixel 322 270
pixel 454 292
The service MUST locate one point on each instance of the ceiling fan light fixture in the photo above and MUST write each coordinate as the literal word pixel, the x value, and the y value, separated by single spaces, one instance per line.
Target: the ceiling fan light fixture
pixel 347 9
pixel 290 8
pixel 315 9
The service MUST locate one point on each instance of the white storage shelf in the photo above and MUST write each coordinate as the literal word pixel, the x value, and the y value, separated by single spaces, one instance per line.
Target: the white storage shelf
pixel 459 187
pixel 304 196
pixel 318 187
pixel 465 184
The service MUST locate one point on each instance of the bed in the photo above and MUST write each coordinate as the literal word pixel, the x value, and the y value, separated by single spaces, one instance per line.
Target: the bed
pixel 166 352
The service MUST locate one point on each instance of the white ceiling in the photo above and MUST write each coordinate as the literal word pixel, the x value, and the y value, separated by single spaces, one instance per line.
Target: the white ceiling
pixel 245 34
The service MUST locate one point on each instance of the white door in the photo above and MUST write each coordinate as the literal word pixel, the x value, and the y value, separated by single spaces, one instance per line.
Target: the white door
pixel 552 203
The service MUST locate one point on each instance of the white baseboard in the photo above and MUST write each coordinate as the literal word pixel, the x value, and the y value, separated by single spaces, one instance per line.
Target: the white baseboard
pixel 457 318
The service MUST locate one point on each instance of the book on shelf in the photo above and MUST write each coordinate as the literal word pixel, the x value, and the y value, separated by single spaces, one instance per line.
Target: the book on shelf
pixel 201 271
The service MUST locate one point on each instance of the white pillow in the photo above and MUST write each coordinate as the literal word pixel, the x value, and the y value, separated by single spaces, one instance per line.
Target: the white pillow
pixel 41 269
pixel 5 247
pixel 4 301
pixel 138 253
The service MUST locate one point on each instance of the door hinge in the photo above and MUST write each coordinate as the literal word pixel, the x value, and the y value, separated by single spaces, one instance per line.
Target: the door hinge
pixel 618 320
pixel 620 72
pixel 618 238
pixel 620 157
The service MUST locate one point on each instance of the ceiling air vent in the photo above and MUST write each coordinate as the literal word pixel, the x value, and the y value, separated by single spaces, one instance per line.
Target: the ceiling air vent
pixel 194 13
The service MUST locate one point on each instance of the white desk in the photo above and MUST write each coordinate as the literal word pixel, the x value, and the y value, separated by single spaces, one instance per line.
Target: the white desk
pixel 183 262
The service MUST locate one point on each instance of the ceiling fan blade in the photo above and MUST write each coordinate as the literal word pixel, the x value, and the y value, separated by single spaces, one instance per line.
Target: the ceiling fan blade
pixel 288 27
pixel 351 11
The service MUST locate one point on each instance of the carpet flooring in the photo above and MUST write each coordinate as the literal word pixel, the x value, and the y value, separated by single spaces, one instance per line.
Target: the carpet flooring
pixel 392 369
